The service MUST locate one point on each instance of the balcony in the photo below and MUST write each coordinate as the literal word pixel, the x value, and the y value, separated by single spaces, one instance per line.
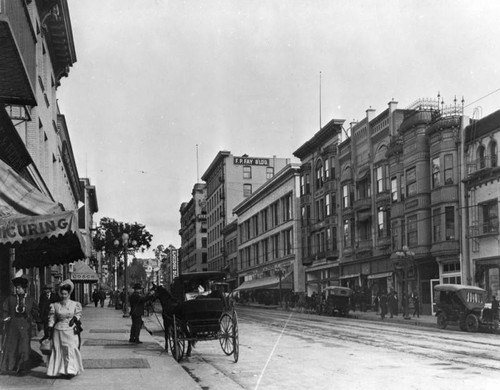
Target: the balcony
pixel 484 229
pixel 17 54
pixel 482 164
pixel 363 204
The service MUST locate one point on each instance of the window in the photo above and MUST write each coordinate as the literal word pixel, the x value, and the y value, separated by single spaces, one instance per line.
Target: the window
pixel 308 184
pixel 436 225
pixel 394 189
pixel 364 228
pixel 411 181
pixel 269 172
pixel 287 242
pixel 203 242
pixel 264 220
pixel 247 190
pixel 489 215
pixel 364 190
pixel 320 207
pixel 319 174
pixel 448 169
pixel 412 231
pixel 265 249
pixel 345 196
pixel 327 169
pixel 383 218
pixel 396 234
pixel 402 188
pixel 481 161
pixel 276 246
pixel 274 214
pixel 327 205
pixel 302 185
pixel 334 238
pixel 247 172
pixel 493 152
pixel 436 171
pixel 328 238
pixel 255 223
pixel 379 177
pixel 449 213
pixel 286 203
pixel 347 233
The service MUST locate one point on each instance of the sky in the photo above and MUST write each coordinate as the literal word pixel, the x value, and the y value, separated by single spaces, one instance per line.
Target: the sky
pixel 159 87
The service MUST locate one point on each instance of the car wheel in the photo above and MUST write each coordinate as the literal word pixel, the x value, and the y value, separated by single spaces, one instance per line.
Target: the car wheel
pixel 471 323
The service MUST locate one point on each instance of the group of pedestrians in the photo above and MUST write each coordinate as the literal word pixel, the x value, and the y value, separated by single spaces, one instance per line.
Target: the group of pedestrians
pixel 388 304
pixel 98 297
pixel 60 318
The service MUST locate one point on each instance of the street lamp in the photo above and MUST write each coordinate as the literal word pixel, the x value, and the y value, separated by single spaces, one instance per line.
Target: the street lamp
pixel 404 261
pixel 125 249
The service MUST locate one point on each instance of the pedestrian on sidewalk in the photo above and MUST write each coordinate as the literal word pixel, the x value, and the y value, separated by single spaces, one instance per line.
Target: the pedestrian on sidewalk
pixel 46 299
pixel 95 297
pixel 64 327
pixel 416 304
pixel 137 301
pixel 18 313
pixel 383 304
pixel 102 297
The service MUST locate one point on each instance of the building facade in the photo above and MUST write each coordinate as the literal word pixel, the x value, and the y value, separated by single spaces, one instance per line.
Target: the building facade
pixel 37 51
pixel 193 232
pixel 230 179
pixel 230 237
pixel 269 238
pixel 482 190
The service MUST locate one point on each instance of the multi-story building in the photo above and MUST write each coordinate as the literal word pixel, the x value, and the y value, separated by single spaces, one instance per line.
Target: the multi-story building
pixel 37 50
pixel 319 211
pixel 230 179
pixel 230 237
pixel 482 191
pixel 269 237
pixel 193 231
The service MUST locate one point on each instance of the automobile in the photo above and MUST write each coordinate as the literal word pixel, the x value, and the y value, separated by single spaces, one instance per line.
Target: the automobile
pixel 465 305
pixel 338 300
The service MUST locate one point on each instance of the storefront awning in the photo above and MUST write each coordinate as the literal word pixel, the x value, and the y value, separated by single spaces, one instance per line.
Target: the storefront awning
pixel 270 283
pixel 379 276
pixel 83 273
pixel 37 227
pixel 351 276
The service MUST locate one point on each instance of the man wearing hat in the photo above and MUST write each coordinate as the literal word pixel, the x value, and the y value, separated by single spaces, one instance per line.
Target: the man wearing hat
pixel 137 302
pixel 47 297
pixel 18 312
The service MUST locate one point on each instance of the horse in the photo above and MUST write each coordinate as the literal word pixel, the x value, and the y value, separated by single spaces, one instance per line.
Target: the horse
pixel 170 306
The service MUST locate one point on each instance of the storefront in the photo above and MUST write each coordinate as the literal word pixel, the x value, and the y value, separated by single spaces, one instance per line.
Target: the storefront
pixel 84 278
pixel 35 232
pixel 266 290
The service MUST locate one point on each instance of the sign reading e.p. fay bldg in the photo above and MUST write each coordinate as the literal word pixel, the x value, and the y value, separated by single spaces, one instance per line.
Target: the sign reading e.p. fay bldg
pixel 250 161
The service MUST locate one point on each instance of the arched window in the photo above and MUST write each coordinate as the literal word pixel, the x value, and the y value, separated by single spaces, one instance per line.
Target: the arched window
pixel 481 162
pixel 493 153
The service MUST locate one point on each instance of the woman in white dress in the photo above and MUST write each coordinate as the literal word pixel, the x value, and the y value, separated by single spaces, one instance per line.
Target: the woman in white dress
pixel 65 358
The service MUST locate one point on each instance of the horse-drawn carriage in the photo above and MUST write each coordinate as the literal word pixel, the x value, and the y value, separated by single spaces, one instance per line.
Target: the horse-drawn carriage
pixel 198 309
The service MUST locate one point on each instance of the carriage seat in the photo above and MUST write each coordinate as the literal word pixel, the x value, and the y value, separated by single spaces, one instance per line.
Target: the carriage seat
pixel 203 314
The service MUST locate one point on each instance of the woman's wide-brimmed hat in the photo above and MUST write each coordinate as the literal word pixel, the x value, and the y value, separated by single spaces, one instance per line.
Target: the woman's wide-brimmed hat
pixel 69 283
pixel 20 281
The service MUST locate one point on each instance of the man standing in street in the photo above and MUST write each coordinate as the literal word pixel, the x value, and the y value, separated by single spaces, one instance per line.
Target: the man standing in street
pixel 95 297
pixel 137 301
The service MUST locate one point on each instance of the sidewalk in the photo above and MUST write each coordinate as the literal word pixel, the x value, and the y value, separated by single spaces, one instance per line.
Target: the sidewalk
pixel 110 361
pixel 423 320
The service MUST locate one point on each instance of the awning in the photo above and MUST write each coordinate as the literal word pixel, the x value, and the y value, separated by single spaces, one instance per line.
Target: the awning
pixel 349 276
pixel 270 283
pixel 38 228
pixel 83 273
pixel 379 276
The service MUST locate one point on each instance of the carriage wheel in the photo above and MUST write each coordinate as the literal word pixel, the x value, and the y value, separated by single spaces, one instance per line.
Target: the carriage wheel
pixel 176 340
pixel 236 340
pixel 442 321
pixel 226 334
pixel 471 323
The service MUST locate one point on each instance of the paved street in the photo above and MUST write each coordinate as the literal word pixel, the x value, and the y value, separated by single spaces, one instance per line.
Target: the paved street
pixel 280 350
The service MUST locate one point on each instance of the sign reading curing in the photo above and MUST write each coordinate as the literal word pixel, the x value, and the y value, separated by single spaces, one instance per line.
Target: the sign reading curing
pixel 251 161
pixel 33 227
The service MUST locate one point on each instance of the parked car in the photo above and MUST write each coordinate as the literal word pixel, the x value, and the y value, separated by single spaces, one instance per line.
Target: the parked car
pixel 338 300
pixel 465 305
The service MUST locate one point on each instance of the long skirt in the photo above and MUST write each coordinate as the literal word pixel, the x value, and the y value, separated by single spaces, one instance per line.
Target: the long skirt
pixel 65 358
pixel 17 345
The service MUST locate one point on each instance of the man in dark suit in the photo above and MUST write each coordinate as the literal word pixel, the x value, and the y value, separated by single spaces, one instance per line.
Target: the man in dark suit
pixel 137 301
pixel 47 297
